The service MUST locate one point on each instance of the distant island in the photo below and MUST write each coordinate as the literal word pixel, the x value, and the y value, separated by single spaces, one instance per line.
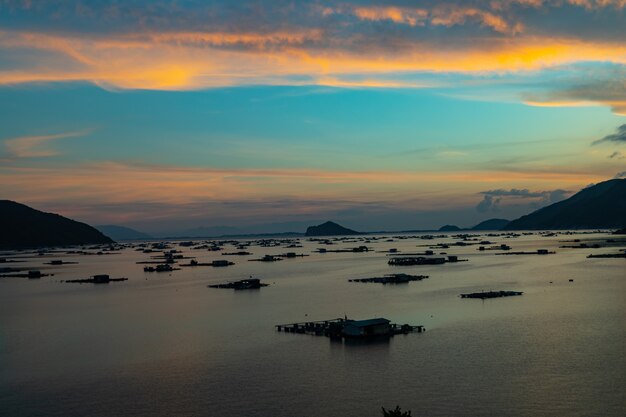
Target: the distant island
pixel 490 224
pixel 121 232
pixel 449 228
pixel 24 227
pixel 600 206
pixel 330 229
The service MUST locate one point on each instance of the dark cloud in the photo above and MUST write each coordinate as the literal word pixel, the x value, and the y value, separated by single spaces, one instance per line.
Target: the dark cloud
pixel 492 199
pixel 489 203
pixel 514 192
pixel 342 21
pixel 617 155
pixel 620 175
pixel 618 137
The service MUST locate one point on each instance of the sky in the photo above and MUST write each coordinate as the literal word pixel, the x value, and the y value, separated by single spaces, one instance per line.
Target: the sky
pixel 273 115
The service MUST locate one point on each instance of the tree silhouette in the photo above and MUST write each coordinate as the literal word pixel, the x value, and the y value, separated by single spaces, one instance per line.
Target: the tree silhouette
pixel 396 413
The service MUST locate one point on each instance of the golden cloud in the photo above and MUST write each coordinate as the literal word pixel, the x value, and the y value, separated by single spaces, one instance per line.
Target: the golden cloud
pixel 185 61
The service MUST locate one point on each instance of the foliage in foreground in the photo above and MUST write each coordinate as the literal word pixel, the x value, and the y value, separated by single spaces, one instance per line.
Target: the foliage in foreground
pixel 396 413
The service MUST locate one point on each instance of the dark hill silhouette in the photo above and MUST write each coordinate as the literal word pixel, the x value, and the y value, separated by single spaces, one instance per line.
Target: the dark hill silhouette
pixel 491 224
pixel 620 231
pixel 600 206
pixel 23 227
pixel 329 229
pixel 449 228
pixel 121 232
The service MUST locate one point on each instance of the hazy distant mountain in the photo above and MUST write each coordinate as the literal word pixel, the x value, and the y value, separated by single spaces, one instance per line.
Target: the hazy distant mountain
pixel 329 229
pixel 492 224
pixel 620 232
pixel 24 227
pixel 122 232
pixel 210 231
pixel 600 206
pixel 449 228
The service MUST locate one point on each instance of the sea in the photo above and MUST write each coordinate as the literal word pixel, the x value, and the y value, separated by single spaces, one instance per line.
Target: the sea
pixel 164 344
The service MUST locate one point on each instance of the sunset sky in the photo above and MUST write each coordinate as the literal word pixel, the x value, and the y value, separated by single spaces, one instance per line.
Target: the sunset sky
pixel 272 115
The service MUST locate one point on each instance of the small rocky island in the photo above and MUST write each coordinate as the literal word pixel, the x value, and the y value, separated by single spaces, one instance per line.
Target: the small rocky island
pixel 330 229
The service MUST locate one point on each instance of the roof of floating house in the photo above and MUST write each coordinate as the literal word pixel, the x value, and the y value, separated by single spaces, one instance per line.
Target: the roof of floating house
pixel 365 323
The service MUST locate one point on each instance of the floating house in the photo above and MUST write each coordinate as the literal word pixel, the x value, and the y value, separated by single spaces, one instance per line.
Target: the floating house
pixel 350 329
pixel 222 262
pixel 366 328
pixel 34 274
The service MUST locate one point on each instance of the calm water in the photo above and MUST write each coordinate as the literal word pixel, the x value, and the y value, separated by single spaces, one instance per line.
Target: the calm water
pixel 166 345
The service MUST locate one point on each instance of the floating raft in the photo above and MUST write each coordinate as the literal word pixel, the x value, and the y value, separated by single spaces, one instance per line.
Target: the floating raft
pixel 244 284
pixel 392 279
pixel 267 258
pixel 608 255
pixel 160 268
pixel 538 252
pixel 346 328
pixel 96 279
pixel 420 260
pixel 218 262
pixel 292 255
pixel 491 294
pixel 59 262
pixel 34 274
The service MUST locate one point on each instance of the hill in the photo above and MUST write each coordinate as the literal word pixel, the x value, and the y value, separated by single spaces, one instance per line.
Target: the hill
pixel 600 206
pixel 121 232
pixel 24 227
pixel 491 224
pixel 329 229
pixel 449 228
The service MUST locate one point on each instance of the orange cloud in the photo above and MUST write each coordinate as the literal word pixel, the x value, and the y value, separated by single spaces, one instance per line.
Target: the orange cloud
pixel 116 182
pixel 618 107
pixel 395 14
pixel 439 16
pixel 587 4
pixel 35 146
pixel 141 192
pixel 177 62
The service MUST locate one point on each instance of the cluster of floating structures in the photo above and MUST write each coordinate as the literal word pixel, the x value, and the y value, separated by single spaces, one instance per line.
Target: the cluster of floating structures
pixel 167 257
pixel 350 329
pixel 422 260
pixel 391 279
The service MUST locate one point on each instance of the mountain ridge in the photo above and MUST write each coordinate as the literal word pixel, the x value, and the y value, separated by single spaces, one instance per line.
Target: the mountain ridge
pixel 24 227
pixel 600 206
